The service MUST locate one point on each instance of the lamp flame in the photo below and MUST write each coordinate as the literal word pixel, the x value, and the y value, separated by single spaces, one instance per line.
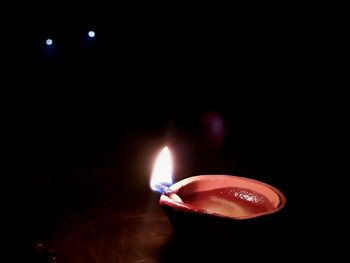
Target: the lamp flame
pixel 162 170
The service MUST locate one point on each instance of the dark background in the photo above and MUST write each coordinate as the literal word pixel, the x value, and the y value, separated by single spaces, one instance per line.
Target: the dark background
pixel 87 116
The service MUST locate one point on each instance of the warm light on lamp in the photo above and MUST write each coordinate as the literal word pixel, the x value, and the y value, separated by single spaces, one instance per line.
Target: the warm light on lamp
pixel 162 170
pixel 212 195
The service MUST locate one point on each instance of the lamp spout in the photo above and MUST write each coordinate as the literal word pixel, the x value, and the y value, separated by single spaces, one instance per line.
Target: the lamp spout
pixel 169 192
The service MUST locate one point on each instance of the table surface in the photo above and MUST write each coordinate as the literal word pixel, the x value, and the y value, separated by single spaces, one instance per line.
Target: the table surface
pixel 116 238
pixel 141 233
pixel 128 233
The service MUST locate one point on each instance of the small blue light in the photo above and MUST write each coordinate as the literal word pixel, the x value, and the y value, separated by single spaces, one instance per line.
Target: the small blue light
pixel 49 42
pixel 91 34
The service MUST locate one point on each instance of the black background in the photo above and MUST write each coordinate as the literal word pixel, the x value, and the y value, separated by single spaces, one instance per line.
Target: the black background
pixel 87 116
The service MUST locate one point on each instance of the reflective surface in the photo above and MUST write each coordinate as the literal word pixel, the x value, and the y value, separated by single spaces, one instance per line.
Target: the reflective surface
pixel 143 233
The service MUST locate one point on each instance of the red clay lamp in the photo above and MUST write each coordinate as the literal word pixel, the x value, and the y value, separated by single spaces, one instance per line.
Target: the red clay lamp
pixel 209 201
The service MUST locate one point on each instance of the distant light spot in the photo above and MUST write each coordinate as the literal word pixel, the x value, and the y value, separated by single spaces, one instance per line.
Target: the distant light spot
pixel 49 42
pixel 214 128
pixel 91 34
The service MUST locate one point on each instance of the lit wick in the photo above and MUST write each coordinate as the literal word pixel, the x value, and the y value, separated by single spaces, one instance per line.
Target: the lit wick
pixel 168 192
pixel 162 175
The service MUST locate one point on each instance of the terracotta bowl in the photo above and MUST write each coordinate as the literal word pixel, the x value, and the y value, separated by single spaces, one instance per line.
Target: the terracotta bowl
pixel 188 218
